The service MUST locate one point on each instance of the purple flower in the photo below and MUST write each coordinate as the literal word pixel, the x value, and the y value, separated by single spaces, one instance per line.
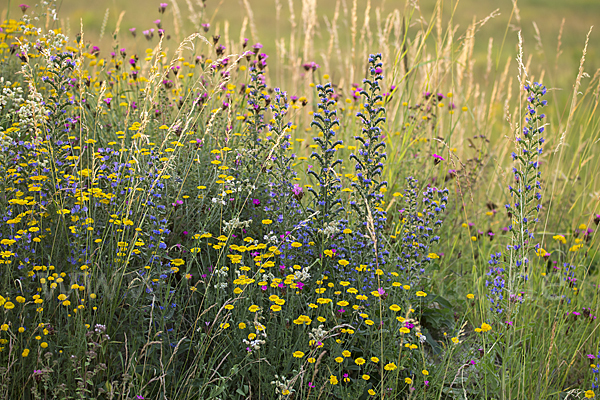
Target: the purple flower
pixel 157 22
pixel 132 30
pixel 23 7
pixel 297 189
pixel 162 7
pixel 205 27
pixel 256 202
pixel 438 157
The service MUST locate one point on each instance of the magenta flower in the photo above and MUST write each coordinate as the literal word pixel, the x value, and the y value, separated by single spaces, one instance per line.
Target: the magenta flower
pixel 297 190
pixel 438 157
pixel 132 30
pixel 162 7
pixel 23 7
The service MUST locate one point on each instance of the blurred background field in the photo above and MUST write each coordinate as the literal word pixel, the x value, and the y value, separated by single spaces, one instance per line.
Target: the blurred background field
pixel 539 20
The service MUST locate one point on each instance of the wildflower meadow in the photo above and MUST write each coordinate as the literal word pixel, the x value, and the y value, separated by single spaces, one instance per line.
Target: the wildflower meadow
pixel 365 205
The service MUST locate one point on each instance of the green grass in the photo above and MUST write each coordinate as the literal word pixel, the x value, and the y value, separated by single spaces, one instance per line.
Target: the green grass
pixel 191 230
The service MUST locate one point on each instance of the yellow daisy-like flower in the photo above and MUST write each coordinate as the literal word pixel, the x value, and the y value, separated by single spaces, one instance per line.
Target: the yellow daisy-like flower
pixel 275 308
pixel 375 360
pixel 408 381
pixel 420 293
pixel 366 377
pixel 298 354
pixel 404 330
pixel 425 372
pixel 267 221
pixel 589 394
pixel 43 345
pixel 343 262
pixel 432 256
pixel 470 296
pixel 485 327
pixel 25 353
pixel 253 308
pixel 346 353
pixel 9 305
pixel 360 361
pixel 177 262
pixel 339 360
pixel 395 307
pixel 333 380
pixel 455 340
pixel 371 392
pixel 390 367
pixel 296 244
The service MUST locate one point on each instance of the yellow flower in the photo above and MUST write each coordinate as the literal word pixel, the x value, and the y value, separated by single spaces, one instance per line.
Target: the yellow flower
pixel 375 359
pixel 420 293
pixel 9 305
pixel 433 256
pixel 360 361
pixel 470 296
pixel 404 330
pixel 390 367
pixel 343 263
pixel 242 325
pixel 485 327
pixel 576 247
pixel 312 360
pixel 43 345
pixel 395 307
pixel 4 327
pixel 589 394
pixel 177 262
pixel 560 238
pixel 275 308
pixel 474 238
pixel 298 354
pixel 62 297
pixel 366 377
pixel 333 380
pixel 425 372
pixel 371 392
pixel 267 221
pixel 339 360
pixel 408 381
pixel 20 299
pixel 25 353
pixel 346 353
pixel 455 340
pixel 253 308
